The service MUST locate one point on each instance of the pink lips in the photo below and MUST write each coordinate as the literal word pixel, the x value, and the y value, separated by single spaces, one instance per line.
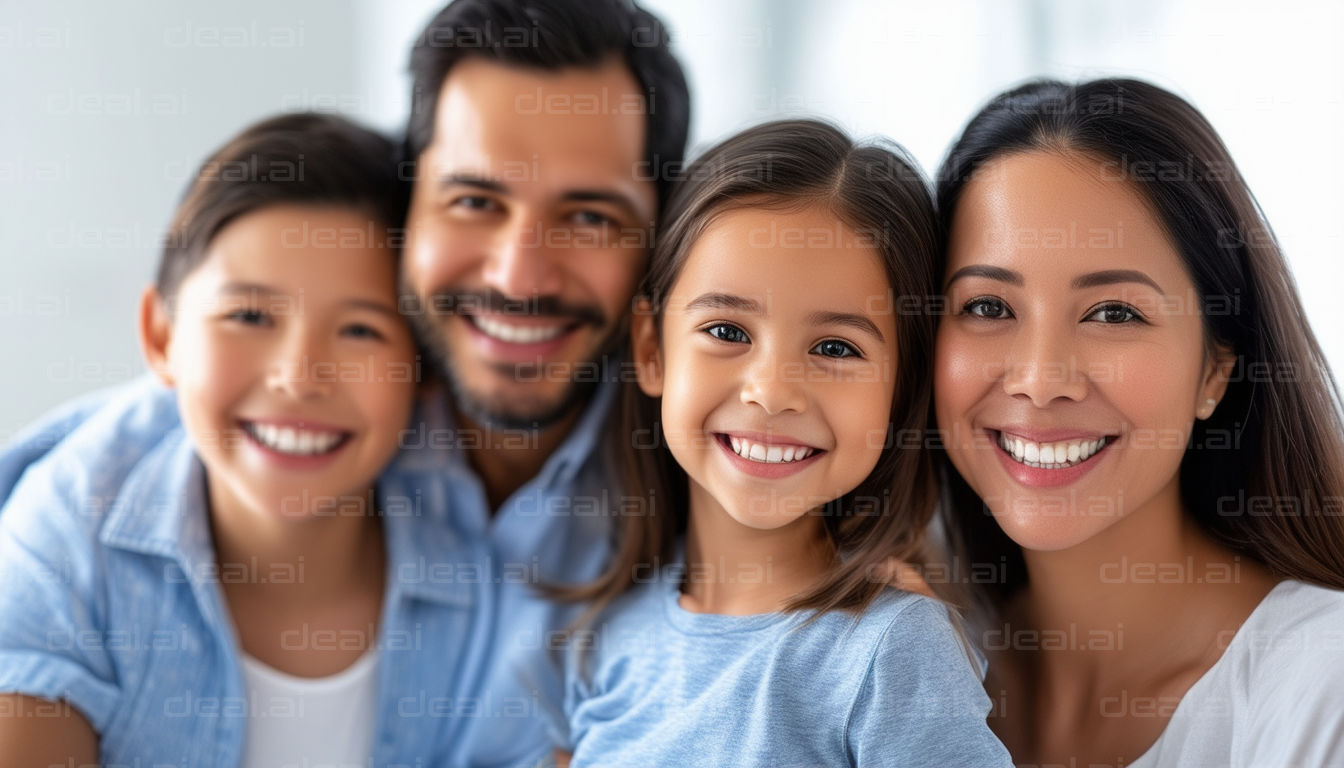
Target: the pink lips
pixel 768 471
pixel 1037 477
pixel 295 462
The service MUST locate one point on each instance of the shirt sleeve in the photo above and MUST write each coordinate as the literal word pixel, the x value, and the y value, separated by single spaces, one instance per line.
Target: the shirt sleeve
pixel 922 703
pixel 52 639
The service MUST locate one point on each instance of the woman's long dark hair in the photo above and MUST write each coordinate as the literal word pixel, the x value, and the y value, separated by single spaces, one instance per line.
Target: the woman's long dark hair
pixel 1265 474
pixel 876 191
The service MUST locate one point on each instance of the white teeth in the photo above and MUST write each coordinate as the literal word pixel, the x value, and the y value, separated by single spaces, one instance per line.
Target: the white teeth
pixel 300 442
pixel 768 454
pixel 516 334
pixel 1050 455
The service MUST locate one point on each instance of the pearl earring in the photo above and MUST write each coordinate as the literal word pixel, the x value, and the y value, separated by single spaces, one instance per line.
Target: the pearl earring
pixel 1209 405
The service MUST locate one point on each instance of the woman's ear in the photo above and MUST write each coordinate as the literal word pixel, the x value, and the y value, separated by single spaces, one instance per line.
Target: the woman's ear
pixel 156 333
pixel 647 351
pixel 1217 373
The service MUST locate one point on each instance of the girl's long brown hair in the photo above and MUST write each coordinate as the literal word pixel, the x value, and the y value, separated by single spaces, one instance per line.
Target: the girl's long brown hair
pixel 1265 474
pixel 877 192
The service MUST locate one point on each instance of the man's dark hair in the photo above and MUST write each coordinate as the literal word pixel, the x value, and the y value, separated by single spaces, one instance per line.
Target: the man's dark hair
pixel 301 159
pixel 551 35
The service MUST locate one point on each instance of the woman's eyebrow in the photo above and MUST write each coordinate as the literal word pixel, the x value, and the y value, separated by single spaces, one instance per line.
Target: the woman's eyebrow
pixel 849 320
pixel 986 271
pixel 1113 276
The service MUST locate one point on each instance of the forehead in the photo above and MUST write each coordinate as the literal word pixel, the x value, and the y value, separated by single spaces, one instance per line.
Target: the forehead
pixel 581 124
pixel 316 250
pixel 1047 210
pixel 805 258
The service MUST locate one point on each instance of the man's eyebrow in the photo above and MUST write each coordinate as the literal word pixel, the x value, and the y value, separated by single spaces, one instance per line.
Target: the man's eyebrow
pixel 1113 276
pixel 724 301
pixel 848 319
pixel 986 271
pixel 472 180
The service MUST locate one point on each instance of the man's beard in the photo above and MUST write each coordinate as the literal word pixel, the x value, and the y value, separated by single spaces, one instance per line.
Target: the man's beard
pixel 502 412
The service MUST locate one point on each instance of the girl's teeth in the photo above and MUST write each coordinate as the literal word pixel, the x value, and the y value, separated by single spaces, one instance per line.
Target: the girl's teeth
pixel 299 442
pixel 768 454
pixel 1050 455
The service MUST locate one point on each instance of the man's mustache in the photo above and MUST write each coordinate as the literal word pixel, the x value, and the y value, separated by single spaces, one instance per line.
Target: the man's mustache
pixel 463 302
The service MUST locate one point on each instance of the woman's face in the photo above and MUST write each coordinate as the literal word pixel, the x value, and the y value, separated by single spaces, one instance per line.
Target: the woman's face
pixel 1072 364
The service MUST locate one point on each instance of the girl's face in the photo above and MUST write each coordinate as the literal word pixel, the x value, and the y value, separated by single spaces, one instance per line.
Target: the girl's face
pixel 1072 363
pixel 776 364
pixel 293 369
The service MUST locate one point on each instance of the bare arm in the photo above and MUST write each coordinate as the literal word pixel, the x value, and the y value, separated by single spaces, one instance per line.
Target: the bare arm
pixel 37 733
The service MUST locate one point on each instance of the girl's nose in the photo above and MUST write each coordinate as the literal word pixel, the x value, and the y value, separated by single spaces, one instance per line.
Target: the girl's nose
pixel 299 370
pixel 768 385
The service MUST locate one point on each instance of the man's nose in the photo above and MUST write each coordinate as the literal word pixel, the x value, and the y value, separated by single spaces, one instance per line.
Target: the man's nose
pixel 1043 365
pixel 522 263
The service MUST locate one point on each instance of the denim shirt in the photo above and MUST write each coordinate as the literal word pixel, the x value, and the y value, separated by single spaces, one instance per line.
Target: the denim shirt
pixel 109 598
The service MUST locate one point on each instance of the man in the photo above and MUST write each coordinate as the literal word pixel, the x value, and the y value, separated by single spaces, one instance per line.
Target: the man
pixel 536 146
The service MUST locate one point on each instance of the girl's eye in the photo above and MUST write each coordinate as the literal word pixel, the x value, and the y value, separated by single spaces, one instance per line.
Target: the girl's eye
pixel 1113 314
pixel 987 307
pixel 361 331
pixel 729 333
pixel 248 317
pixel 835 348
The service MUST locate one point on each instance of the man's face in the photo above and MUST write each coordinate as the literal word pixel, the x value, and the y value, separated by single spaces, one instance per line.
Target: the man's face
pixel 528 233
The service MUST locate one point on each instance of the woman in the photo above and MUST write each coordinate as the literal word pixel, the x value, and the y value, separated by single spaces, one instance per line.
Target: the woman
pixel 1125 381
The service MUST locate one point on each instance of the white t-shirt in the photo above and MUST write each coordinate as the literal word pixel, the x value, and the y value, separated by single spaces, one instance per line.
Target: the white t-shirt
pixel 308 721
pixel 1276 697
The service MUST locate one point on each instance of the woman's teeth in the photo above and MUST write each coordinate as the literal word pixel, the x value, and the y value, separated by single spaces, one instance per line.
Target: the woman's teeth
pixel 296 442
pixel 769 454
pixel 1050 455
pixel 516 334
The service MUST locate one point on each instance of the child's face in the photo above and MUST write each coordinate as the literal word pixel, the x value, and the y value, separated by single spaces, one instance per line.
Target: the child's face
pixel 776 367
pixel 294 370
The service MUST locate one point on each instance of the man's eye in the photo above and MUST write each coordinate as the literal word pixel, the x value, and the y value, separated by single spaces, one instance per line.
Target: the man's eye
pixel 361 331
pixel 987 307
pixel 730 333
pixel 477 203
pixel 248 317
pixel 1114 314
pixel 835 348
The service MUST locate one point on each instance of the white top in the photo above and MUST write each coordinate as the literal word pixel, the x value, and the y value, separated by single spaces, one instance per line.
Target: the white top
pixel 1274 699
pixel 309 721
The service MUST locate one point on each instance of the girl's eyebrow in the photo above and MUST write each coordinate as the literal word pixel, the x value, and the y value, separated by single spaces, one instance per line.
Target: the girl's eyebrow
pixel 849 320
pixel 724 301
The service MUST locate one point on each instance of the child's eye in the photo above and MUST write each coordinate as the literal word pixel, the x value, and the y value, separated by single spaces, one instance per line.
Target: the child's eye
pixel 249 317
pixel 362 331
pixel 835 348
pixel 590 219
pixel 1114 314
pixel 988 307
pixel 730 333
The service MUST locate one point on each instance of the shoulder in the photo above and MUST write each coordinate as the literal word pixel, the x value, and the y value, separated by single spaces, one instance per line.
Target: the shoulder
pixel 1293 641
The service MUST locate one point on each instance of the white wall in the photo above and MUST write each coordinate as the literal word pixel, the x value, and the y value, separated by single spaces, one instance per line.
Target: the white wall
pixel 104 109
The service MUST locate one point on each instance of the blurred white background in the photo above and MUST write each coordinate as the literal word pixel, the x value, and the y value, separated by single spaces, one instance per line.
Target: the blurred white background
pixel 106 108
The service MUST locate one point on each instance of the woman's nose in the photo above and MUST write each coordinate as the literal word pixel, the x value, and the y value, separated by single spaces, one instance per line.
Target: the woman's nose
pixel 1042 365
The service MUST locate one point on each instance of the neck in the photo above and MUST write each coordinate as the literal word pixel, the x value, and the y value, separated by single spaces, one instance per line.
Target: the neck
pixel 308 561
pixel 1124 585
pixel 505 459
pixel 736 569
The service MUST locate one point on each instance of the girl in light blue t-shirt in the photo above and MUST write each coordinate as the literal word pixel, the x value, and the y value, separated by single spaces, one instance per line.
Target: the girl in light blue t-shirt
pixel 775 471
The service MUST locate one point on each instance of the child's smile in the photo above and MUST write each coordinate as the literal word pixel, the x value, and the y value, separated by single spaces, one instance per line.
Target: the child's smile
pixel 777 364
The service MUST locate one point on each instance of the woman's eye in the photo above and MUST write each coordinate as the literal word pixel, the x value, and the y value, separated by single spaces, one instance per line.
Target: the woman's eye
pixel 835 348
pixel 361 331
pixel 248 317
pixel 590 219
pixel 988 307
pixel 1113 314
pixel 730 333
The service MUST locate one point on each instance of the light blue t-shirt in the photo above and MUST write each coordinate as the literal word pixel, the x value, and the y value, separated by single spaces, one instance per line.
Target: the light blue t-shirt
pixel 108 598
pixel 666 687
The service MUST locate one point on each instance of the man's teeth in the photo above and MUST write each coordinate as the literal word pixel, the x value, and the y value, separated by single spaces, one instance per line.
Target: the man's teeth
pixel 1050 455
pixel 516 334
pixel 298 442
pixel 769 454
